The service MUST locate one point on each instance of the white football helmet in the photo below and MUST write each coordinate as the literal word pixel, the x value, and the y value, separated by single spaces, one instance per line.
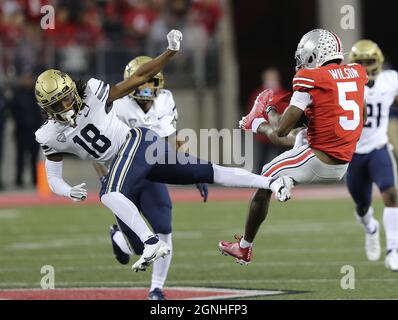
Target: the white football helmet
pixel 317 47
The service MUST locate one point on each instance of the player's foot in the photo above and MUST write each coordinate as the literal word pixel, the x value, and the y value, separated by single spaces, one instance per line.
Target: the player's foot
pixel 242 256
pixel 156 294
pixel 372 244
pixel 258 109
pixel 151 253
pixel 120 256
pixel 391 261
pixel 282 187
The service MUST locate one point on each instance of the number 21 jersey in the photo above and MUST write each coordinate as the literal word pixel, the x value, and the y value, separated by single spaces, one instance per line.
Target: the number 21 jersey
pixel 335 115
pixel 98 135
pixel 379 99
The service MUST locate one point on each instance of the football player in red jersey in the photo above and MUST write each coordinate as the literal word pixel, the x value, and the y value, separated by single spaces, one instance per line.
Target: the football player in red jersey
pixel 331 96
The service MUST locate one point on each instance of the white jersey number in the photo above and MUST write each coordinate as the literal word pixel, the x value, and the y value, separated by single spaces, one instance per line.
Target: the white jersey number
pixel 348 105
pixel 92 136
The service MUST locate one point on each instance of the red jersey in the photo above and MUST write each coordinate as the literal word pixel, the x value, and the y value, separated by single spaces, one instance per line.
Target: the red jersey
pixel 335 116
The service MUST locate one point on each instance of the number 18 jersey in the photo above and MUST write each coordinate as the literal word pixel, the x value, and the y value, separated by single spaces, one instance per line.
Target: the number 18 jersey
pixel 98 135
pixel 335 115
pixel 379 99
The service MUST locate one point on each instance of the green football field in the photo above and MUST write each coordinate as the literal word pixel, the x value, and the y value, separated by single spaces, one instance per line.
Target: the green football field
pixel 301 250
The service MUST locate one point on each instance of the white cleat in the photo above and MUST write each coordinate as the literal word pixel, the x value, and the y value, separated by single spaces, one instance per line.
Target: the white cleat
pixel 372 244
pixel 151 253
pixel 281 187
pixel 391 261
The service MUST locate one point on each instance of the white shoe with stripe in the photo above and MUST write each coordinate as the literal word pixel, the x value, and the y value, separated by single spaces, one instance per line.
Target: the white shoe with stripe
pixel 151 253
pixel 372 244
pixel 281 187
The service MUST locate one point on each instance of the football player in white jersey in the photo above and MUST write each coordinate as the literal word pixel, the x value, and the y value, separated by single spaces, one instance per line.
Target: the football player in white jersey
pixel 373 161
pixel 153 107
pixel 80 123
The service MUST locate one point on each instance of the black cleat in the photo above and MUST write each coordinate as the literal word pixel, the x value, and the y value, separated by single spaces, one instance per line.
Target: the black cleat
pixel 156 294
pixel 120 256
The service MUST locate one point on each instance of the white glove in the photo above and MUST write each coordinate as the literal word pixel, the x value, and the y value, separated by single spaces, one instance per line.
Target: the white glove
pixel 174 38
pixel 78 193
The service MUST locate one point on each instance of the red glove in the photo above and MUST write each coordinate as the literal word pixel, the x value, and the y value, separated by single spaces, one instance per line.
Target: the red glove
pixel 259 106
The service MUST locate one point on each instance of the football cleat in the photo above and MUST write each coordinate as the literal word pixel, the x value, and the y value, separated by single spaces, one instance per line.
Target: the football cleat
pixel 120 256
pixel 151 253
pixel 391 261
pixel 258 109
pixel 372 244
pixel 156 294
pixel 242 256
pixel 282 187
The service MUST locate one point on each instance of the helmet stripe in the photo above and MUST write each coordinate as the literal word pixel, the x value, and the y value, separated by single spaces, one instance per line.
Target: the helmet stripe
pixel 337 41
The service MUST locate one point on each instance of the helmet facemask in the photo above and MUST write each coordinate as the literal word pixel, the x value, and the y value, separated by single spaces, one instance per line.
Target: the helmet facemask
pixel 66 109
pixel 148 91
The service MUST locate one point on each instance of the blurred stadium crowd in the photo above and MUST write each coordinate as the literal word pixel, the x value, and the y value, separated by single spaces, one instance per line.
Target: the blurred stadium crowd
pixel 94 38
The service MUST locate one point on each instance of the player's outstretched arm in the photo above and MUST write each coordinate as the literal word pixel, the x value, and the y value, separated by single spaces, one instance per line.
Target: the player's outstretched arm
pixel 148 70
pixel 57 183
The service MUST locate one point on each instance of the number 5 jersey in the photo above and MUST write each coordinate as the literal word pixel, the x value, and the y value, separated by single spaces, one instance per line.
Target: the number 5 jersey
pixel 379 99
pixel 98 135
pixel 335 114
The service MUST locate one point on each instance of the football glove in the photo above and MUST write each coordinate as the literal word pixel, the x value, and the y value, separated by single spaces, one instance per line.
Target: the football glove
pixel 174 38
pixel 78 193
pixel 257 111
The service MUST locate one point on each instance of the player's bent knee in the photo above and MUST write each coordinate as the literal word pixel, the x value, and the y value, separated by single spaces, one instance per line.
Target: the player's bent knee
pixel 390 197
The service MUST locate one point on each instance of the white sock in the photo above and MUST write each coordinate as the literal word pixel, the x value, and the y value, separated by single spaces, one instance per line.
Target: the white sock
pixel 120 240
pixel 126 211
pixel 367 221
pixel 245 244
pixel 390 220
pixel 161 266
pixel 237 177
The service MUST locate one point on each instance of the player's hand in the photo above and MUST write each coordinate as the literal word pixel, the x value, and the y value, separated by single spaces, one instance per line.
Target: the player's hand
pixel 203 190
pixel 262 100
pixel 257 110
pixel 78 193
pixel 174 38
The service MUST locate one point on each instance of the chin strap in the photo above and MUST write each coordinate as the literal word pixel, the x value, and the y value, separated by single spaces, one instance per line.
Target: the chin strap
pixel 69 117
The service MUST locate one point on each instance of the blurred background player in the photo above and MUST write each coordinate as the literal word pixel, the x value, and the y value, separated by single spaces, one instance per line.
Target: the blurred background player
pixel 264 151
pixel 153 107
pixel 373 161
pixel 27 151
pixel 331 95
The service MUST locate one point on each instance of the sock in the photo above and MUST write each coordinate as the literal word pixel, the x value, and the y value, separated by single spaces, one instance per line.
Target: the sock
pixel 245 244
pixel 390 221
pixel 367 221
pixel 118 237
pixel 161 266
pixel 237 177
pixel 126 211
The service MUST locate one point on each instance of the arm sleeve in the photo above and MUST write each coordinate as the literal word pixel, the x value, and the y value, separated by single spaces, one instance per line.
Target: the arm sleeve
pixel 100 89
pixel 41 139
pixel 55 179
pixel 301 99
